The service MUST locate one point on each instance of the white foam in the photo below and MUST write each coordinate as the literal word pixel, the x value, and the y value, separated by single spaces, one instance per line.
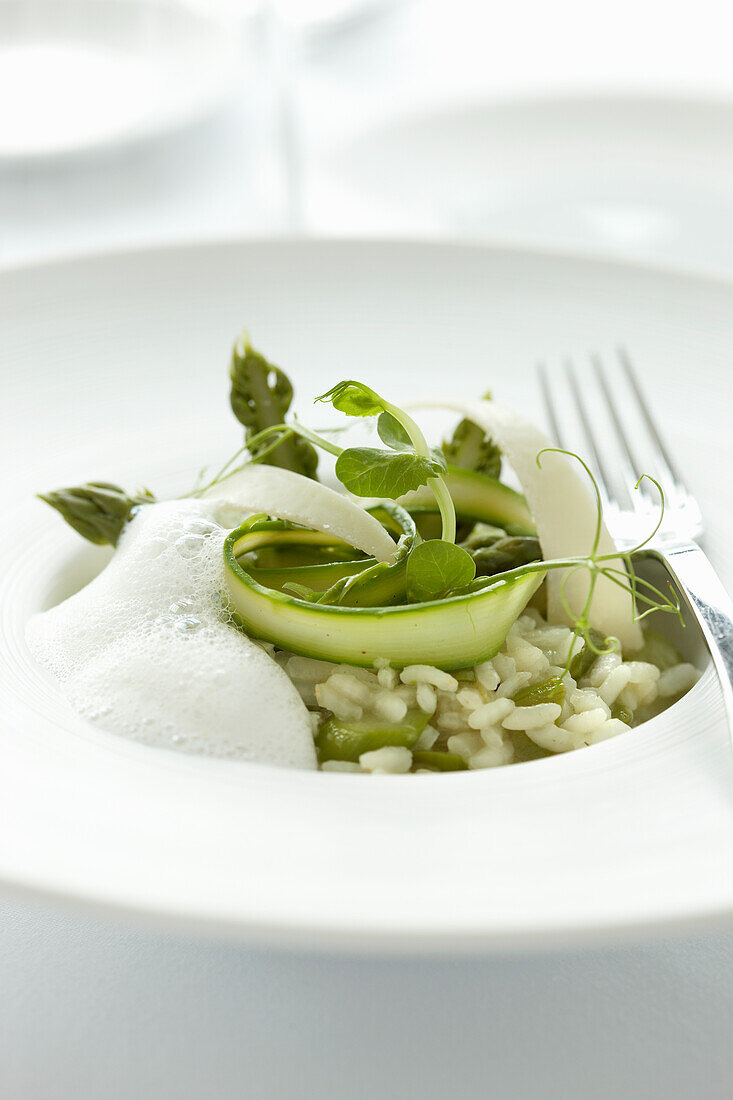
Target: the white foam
pixel 145 649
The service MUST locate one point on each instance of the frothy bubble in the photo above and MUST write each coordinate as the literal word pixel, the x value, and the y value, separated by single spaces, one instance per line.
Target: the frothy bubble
pixel 146 651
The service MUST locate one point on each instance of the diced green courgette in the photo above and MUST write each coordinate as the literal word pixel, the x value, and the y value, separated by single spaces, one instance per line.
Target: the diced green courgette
pixel 622 713
pixel 551 690
pixel 439 761
pixel 338 740
pixel 584 658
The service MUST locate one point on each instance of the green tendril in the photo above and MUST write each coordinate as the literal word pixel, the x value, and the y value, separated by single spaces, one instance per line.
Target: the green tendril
pixel 642 592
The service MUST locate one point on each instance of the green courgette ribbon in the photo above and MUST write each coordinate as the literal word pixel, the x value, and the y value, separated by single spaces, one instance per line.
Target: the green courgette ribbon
pixel 456 632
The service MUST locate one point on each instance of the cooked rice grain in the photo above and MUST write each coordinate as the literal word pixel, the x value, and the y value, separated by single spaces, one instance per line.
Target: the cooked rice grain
pixel 472 711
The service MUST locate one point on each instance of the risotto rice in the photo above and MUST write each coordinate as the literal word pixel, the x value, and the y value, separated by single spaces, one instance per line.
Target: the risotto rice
pixel 474 712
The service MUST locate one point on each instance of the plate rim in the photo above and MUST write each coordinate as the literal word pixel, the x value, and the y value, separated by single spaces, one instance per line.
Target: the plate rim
pixel 539 940
pixel 319 937
pixel 722 280
pixel 173 122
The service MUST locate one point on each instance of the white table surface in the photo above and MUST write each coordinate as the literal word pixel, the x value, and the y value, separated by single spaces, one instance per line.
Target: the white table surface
pixel 102 1011
pixel 94 1008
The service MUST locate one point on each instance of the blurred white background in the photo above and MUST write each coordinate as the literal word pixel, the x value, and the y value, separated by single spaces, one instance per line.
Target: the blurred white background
pixel 573 125
pixel 567 125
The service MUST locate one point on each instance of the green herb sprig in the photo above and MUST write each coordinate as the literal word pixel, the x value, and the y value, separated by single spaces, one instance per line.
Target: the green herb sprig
pixel 403 436
pixel 434 568
pixel 423 570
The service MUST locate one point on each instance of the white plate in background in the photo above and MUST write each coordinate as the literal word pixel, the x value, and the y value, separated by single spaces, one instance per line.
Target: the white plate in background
pixel 116 367
pixel 83 75
pixel 644 177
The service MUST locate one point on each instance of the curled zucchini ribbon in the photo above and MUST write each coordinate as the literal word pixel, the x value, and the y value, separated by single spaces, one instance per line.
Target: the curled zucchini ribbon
pixel 477 497
pixel 353 612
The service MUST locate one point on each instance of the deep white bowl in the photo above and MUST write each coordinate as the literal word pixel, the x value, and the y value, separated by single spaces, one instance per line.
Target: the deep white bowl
pixel 116 367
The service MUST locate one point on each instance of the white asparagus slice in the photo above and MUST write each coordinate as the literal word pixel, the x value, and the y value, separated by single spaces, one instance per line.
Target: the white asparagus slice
pixel 287 495
pixel 565 515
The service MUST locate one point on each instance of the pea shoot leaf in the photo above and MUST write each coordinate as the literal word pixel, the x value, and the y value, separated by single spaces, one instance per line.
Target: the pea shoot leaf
pixel 439 459
pixel 391 432
pixel 261 396
pixel 435 568
pixel 368 472
pixel 98 510
pixel 353 398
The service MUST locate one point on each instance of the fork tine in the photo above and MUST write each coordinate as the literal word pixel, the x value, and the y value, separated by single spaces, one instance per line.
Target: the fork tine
pixel 550 406
pixel 663 457
pixel 560 438
pixel 608 420
pixel 602 475
pixel 630 461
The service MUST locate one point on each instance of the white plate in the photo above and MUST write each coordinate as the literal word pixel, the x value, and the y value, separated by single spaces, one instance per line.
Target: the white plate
pixel 648 178
pixel 84 75
pixel 115 367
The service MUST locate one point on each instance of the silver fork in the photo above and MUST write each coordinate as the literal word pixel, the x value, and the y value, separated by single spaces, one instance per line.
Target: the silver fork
pixel 630 511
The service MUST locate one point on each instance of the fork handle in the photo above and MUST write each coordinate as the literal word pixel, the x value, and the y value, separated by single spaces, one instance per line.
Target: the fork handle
pixel 711 605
